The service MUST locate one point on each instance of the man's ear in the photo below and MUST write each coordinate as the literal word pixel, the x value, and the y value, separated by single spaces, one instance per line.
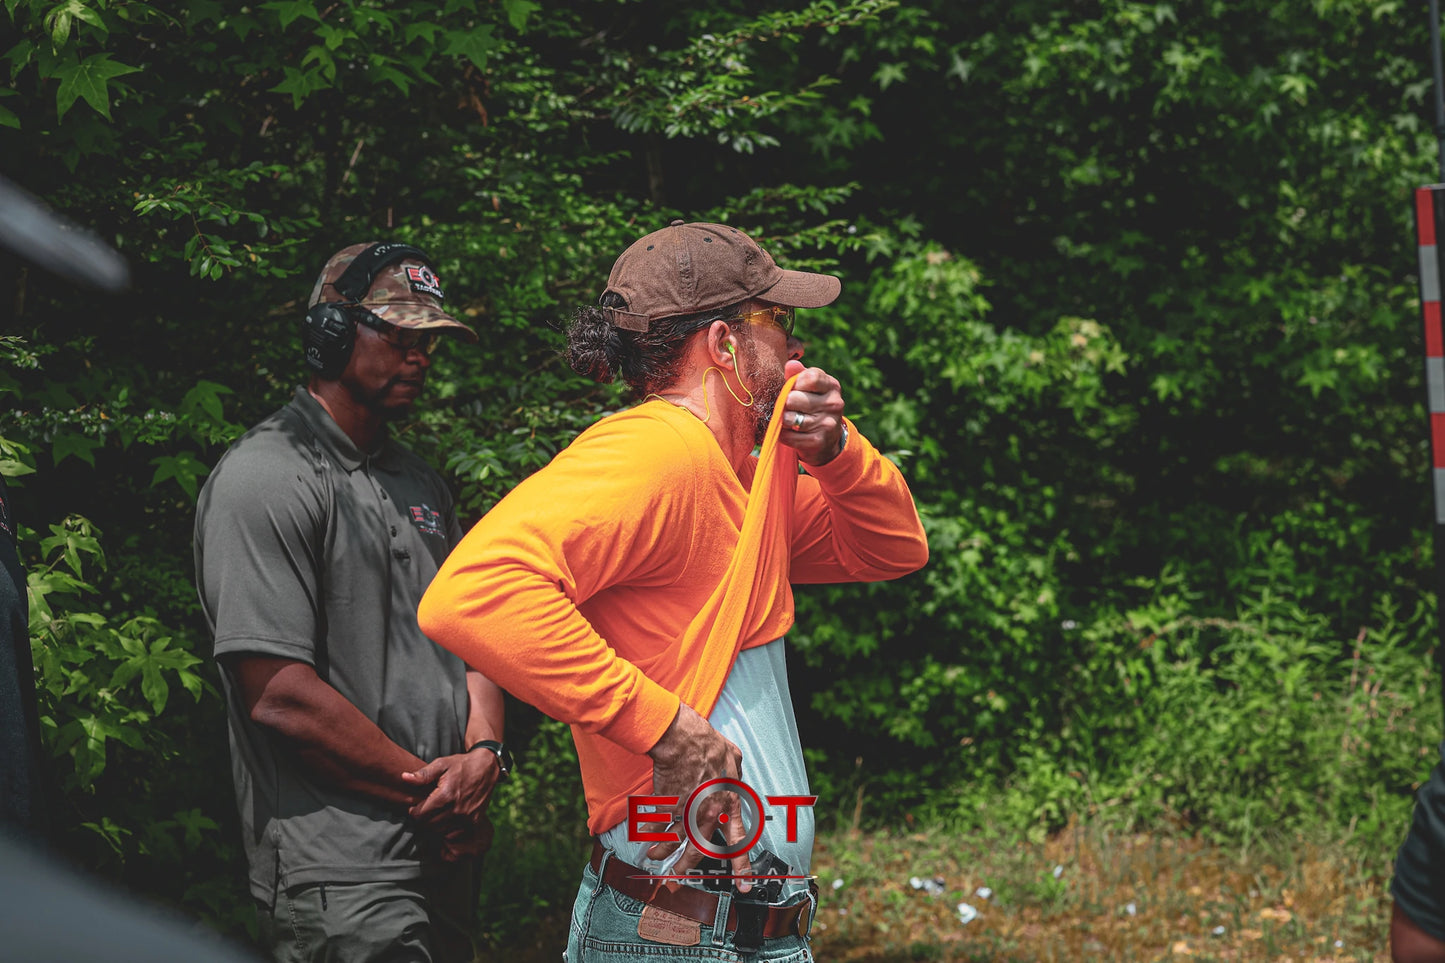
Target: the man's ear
pixel 722 346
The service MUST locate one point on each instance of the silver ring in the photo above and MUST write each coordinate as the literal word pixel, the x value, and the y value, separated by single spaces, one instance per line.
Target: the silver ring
pixel 798 417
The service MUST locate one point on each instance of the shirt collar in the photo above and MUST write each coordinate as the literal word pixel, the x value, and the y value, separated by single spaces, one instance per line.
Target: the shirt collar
pixel 336 441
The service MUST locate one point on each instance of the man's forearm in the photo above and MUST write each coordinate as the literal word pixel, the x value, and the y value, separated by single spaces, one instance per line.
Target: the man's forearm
pixel 485 714
pixel 332 737
pixel 491 614
pixel 859 523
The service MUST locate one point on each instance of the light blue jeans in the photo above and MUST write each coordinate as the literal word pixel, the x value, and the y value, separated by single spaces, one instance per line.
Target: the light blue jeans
pixel 604 930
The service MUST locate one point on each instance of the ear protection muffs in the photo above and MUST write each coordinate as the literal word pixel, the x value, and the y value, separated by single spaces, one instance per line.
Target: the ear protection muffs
pixel 327 336
pixel 328 332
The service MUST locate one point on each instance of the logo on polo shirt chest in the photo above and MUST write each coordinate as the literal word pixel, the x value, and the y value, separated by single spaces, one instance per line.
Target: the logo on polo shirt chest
pixel 427 520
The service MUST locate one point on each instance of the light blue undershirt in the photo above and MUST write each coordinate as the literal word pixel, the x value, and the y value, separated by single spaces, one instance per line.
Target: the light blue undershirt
pixel 755 711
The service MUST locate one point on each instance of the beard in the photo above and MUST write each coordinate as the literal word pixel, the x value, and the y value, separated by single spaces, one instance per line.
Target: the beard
pixel 766 385
pixel 382 403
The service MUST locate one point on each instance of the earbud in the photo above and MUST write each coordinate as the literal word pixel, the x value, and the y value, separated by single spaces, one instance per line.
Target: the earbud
pixel 738 370
pixel 732 349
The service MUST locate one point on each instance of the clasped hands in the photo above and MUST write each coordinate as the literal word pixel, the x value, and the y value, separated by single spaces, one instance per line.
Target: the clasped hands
pixel 455 810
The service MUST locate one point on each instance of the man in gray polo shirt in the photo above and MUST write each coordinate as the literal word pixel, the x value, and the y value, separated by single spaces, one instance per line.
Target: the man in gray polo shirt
pixel 362 806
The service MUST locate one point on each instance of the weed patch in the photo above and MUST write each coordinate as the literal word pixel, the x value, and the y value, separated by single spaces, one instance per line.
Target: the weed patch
pixel 1092 893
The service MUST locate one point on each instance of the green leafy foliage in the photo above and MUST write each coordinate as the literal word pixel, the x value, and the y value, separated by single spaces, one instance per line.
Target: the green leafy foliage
pixel 89 80
pixel 102 681
pixel 1245 727
pixel 1124 295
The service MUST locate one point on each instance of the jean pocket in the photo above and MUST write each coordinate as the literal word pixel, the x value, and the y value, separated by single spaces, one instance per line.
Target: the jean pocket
pixel 626 905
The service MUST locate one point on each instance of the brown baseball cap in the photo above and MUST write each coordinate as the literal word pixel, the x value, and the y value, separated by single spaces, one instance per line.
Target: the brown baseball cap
pixel 691 268
pixel 405 293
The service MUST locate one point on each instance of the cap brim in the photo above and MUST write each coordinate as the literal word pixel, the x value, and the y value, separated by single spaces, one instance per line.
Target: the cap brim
pixel 404 314
pixel 803 289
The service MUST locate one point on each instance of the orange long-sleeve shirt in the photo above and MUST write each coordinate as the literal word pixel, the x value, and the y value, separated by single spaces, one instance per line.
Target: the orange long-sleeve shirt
pixel 581 591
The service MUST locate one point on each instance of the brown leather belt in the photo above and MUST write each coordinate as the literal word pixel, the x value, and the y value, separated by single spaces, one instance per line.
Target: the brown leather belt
pixel 698 904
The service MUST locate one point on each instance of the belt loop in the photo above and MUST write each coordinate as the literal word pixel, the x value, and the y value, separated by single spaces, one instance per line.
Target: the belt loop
pixel 597 890
pixel 602 866
pixel 720 920
pixel 806 929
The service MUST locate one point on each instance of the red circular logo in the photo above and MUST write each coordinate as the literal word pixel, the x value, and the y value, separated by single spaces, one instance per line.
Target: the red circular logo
pixel 752 806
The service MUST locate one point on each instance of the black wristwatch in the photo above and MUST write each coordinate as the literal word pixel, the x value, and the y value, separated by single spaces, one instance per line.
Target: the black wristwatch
pixel 504 755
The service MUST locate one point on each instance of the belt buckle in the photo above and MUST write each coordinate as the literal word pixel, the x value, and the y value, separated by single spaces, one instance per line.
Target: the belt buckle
pixel 748 937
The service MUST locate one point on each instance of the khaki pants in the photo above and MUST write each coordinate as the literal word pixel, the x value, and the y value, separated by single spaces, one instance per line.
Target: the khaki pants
pixel 427 920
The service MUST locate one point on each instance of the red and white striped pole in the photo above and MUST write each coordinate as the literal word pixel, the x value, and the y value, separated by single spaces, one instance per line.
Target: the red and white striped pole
pixel 1429 221
pixel 1429 202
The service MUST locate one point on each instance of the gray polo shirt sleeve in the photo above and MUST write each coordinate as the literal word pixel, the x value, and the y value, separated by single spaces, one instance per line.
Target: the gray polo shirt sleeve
pixel 454 527
pixel 262 528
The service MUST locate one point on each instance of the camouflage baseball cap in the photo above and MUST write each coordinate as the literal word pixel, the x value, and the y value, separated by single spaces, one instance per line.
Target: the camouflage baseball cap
pixel 405 293
pixel 690 268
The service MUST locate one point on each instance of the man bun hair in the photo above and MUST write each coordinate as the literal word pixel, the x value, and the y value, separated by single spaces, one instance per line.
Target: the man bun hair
pixel 646 361
pixel 594 346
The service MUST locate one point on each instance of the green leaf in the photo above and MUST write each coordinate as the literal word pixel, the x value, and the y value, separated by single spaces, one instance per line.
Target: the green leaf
pixel 73 539
pixel 109 830
pixel 299 84
pixel 153 686
pixel 83 13
pixel 8 119
pixel 1318 379
pixel 89 79
pixel 392 76
pixel 474 45
pixel 887 74
pixel 183 468
pixel 422 29
pixel 70 443
pixel 204 11
pixel 20 56
pixel 289 11
pixel 194 684
pixel 205 399
pixel 57 24
pixel 195 822
pixel 518 11
pixel 364 17
pixel 90 752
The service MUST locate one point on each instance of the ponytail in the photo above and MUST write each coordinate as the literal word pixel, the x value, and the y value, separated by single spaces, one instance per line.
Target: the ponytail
pixel 648 361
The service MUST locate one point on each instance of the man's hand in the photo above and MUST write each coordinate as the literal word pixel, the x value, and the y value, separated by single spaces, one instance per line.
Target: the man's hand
pixel 467 843
pixel 690 753
pixel 456 807
pixel 813 414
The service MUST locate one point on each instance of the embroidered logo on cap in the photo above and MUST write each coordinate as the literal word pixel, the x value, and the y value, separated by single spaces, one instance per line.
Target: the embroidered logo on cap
pixel 425 280
pixel 427 520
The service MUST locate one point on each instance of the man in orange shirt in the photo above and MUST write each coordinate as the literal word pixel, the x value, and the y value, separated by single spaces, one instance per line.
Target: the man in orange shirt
pixel 638 588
